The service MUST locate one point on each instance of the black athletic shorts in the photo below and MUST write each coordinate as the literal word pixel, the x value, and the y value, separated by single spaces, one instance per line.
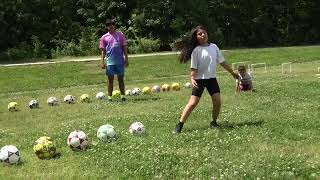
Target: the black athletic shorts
pixel 211 85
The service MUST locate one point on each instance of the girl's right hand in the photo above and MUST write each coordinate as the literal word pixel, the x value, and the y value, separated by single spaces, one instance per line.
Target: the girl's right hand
pixel 194 83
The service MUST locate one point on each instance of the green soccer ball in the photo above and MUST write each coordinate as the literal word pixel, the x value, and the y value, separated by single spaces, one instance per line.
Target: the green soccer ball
pixel 106 133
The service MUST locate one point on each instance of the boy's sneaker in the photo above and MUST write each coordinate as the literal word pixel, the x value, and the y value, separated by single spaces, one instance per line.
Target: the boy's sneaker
pixel 178 128
pixel 214 125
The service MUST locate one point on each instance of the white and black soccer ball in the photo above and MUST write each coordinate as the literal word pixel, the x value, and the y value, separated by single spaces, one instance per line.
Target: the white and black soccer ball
pixel 156 89
pixel 52 101
pixel 137 128
pixel 100 95
pixel 69 99
pixel 136 91
pixel 9 155
pixel 188 85
pixel 78 140
pixel 33 104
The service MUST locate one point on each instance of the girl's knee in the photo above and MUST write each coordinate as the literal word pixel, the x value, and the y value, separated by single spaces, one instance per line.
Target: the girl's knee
pixel 193 104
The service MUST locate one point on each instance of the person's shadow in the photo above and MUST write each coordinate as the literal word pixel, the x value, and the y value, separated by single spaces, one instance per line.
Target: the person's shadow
pixel 232 125
pixel 226 125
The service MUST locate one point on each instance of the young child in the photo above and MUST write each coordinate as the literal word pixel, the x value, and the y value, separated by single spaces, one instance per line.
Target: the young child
pixel 204 58
pixel 114 57
pixel 244 82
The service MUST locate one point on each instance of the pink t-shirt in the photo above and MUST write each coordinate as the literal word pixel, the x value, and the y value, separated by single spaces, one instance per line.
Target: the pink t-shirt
pixel 113 43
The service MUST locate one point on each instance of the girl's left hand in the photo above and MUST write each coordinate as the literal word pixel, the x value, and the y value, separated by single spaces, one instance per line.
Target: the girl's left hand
pixel 194 83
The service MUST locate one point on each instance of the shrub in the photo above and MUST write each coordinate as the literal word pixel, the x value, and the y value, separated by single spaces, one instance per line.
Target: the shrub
pixel 143 45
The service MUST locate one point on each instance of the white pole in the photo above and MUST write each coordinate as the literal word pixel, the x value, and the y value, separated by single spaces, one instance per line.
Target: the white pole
pixel 290 67
pixel 288 63
pixel 265 66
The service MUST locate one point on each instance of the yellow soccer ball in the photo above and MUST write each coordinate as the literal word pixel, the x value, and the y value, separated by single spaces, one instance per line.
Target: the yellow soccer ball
pixel 85 98
pixel 165 87
pixel 175 86
pixel 146 90
pixel 44 148
pixel 116 93
pixel 13 106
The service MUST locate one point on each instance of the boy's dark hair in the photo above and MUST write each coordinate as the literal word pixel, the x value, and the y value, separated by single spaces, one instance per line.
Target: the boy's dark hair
pixel 187 44
pixel 241 67
pixel 109 22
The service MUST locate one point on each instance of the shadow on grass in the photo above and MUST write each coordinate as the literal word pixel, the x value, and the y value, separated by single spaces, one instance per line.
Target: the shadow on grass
pixel 133 99
pixel 230 125
pixel 226 125
pixel 143 99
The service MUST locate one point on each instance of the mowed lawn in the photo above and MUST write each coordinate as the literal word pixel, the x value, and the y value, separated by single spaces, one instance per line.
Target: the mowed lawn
pixel 273 133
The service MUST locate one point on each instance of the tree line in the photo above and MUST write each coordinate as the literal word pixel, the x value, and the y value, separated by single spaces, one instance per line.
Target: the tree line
pixel 53 28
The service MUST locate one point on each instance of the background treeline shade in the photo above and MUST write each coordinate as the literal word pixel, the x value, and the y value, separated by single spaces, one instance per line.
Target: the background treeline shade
pixel 52 28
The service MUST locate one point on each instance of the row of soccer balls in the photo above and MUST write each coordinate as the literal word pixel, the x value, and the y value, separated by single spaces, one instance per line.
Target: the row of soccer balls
pixel 45 148
pixel 69 99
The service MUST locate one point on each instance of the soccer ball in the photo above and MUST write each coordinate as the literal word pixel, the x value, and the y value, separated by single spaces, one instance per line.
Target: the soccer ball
pixel 33 104
pixel 116 93
pixel 187 85
pixel 175 86
pixel 156 89
pixel 69 99
pixel 100 95
pixel 85 98
pixel 146 90
pixel 128 92
pixel 137 128
pixel 106 133
pixel 52 101
pixel 78 140
pixel 9 155
pixel 136 91
pixel 13 106
pixel 165 87
pixel 44 148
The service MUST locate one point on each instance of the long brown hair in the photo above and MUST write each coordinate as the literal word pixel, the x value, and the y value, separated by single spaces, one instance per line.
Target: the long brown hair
pixel 187 44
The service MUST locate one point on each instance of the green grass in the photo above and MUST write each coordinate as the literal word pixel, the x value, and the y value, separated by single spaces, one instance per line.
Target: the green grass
pixel 28 78
pixel 270 134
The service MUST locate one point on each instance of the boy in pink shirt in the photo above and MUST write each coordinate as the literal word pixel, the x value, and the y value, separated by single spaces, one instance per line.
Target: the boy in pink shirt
pixel 114 57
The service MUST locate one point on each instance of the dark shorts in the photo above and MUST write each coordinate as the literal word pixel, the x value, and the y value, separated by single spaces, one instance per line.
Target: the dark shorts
pixel 115 69
pixel 244 87
pixel 211 85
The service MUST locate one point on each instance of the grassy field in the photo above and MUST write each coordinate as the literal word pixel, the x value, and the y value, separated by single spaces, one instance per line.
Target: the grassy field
pixel 273 133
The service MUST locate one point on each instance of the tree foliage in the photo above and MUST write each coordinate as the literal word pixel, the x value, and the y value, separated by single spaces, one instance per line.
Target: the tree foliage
pixel 42 28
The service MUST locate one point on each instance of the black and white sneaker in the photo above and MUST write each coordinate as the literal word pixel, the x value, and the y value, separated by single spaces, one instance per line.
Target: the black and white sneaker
pixel 214 125
pixel 178 128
